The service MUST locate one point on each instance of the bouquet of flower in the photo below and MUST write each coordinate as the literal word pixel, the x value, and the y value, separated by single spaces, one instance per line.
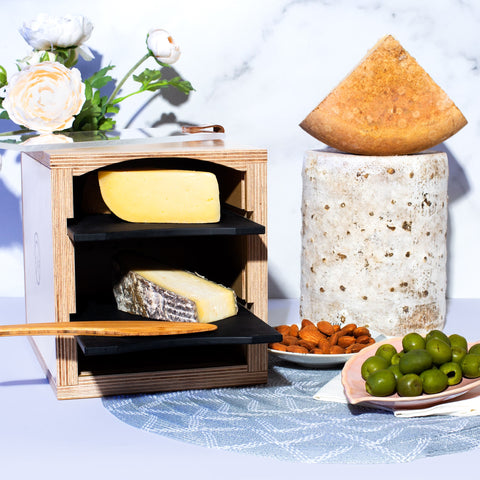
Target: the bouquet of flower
pixel 47 93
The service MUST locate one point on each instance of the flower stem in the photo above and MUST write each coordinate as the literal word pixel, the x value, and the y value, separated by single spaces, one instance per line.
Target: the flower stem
pixel 124 79
pixel 151 87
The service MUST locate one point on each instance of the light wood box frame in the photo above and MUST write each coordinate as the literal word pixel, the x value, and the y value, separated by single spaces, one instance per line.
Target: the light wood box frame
pixel 47 198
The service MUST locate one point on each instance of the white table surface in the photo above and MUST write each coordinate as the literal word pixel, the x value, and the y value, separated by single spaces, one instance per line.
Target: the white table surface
pixel 42 437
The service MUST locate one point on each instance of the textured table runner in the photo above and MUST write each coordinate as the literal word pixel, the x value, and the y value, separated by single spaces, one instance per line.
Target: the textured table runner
pixel 282 420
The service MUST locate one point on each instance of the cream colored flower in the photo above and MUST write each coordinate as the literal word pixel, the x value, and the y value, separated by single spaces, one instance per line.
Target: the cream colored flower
pixel 48 139
pixel 45 97
pixel 161 44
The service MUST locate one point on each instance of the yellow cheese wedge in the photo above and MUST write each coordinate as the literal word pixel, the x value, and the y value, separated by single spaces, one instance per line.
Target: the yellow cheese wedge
pixel 161 196
pixel 155 291
pixel 388 105
pixel 213 301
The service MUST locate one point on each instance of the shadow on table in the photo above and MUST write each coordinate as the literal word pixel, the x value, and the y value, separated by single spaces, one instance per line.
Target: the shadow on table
pixel 25 382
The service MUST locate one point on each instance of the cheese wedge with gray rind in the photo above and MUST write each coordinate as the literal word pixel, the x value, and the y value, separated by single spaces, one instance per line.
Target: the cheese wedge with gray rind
pixel 388 105
pixel 173 295
pixel 161 196
pixel 374 245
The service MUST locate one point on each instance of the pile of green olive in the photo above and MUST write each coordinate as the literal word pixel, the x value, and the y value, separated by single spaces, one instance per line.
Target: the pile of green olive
pixel 427 364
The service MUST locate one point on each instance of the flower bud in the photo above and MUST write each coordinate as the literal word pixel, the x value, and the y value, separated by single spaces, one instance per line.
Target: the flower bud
pixel 162 46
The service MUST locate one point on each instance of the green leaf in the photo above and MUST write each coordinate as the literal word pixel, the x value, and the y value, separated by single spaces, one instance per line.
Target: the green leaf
pixel 44 57
pixel 112 109
pixel 100 79
pixel 106 124
pixel 88 90
pixel 3 76
pixel 148 76
pixel 4 115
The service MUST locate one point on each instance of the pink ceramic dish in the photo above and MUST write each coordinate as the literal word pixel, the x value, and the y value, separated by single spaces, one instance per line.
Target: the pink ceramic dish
pixel 354 384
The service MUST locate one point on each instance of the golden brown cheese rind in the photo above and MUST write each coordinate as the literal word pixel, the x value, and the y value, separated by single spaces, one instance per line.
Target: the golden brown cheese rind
pixel 388 105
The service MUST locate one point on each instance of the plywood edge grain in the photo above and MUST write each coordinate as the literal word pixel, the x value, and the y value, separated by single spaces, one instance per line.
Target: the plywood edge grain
pixel 85 160
pixel 90 386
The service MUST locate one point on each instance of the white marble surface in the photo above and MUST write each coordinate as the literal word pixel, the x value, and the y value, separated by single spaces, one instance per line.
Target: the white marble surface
pixel 259 67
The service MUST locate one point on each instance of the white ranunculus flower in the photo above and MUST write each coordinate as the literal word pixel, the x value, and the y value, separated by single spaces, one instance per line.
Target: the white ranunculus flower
pixel 46 32
pixel 161 44
pixel 45 97
pixel 37 56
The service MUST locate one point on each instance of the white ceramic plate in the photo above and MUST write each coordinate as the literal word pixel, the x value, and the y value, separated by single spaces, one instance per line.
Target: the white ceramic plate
pixel 318 360
pixel 354 384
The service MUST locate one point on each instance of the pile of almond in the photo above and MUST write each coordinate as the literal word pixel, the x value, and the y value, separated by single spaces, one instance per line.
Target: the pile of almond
pixel 322 338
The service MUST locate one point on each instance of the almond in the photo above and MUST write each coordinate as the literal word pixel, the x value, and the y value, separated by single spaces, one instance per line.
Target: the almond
pixel 283 329
pixel 289 340
pixel 360 331
pixel 345 341
pixel 308 345
pixel 294 330
pixel 325 327
pixel 310 333
pixel 334 338
pixel 354 348
pixel 336 349
pixel 324 345
pixel 306 322
pixel 363 339
pixel 348 329
pixel 296 349
pixel 278 346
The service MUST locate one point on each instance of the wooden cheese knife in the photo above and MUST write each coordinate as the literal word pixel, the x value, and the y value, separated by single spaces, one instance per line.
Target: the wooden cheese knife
pixel 108 328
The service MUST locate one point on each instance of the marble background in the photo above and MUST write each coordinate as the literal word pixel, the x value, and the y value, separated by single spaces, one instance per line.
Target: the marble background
pixel 259 67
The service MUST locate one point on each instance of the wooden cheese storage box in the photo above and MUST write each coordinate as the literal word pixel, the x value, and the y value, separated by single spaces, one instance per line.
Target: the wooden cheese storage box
pixel 68 251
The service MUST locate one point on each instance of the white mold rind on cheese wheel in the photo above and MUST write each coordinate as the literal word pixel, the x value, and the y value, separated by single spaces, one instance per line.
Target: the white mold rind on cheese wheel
pixel 374 240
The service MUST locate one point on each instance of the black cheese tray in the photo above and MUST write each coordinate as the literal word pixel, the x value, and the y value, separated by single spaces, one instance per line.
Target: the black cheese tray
pixel 106 227
pixel 241 329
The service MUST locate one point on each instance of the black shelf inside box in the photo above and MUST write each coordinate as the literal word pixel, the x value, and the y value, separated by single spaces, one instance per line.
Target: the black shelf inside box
pixel 241 329
pixel 107 227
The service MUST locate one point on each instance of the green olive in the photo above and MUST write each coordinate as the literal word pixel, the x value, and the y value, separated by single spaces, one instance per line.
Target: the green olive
pixel 372 364
pixel 396 358
pixel 439 350
pixel 474 348
pixel 458 341
pixel 387 351
pixel 412 341
pixel 434 380
pixel 458 353
pixel 471 365
pixel 381 383
pixel 410 385
pixel 437 334
pixel 453 371
pixel 415 361
pixel 395 369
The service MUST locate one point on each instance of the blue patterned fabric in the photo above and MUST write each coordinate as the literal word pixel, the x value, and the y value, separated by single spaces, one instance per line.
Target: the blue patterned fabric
pixel 282 420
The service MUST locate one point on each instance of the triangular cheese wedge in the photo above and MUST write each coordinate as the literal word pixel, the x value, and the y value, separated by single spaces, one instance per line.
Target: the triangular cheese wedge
pixel 388 105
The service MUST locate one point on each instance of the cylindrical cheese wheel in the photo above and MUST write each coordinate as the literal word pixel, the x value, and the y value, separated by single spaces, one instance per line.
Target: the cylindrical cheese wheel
pixel 374 240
